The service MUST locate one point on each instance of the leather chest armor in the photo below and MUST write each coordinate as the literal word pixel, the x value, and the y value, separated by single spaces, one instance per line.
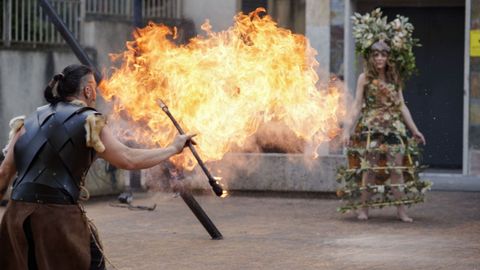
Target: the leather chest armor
pixel 51 156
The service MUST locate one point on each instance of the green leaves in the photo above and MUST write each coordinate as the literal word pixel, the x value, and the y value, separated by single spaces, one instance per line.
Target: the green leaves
pixel 372 27
pixel 351 187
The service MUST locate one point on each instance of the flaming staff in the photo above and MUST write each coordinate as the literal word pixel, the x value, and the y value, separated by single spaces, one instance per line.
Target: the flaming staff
pixel 216 187
pixel 84 59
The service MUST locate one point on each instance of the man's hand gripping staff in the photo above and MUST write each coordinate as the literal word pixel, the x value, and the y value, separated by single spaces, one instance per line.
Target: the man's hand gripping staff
pixel 216 187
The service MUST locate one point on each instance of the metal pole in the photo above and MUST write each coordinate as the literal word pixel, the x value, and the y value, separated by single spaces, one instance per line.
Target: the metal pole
pixel 201 215
pixel 176 174
pixel 69 38
pixel 7 23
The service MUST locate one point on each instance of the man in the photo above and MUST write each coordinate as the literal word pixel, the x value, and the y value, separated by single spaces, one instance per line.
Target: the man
pixel 51 150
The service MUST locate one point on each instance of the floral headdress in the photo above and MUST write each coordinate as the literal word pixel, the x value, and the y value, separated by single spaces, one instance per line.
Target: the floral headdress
pixel 372 27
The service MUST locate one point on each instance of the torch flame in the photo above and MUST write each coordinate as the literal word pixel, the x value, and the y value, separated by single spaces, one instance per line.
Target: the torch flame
pixel 225 194
pixel 224 191
pixel 222 86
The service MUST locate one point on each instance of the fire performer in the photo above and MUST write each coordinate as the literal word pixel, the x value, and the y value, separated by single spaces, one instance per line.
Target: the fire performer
pixel 383 160
pixel 44 226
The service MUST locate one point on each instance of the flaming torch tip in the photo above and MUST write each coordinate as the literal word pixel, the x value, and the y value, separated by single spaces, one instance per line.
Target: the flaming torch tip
pixel 217 188
pixel 161 104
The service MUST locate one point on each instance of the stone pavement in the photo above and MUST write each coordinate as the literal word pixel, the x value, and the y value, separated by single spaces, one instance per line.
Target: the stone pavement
pixel 263 231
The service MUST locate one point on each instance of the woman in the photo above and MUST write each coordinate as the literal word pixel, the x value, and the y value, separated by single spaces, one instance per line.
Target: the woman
pixel 50 151
pixel 383 160
pixel 379 101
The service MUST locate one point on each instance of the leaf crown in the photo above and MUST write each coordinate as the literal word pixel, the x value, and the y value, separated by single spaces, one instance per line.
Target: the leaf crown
pixel 370 28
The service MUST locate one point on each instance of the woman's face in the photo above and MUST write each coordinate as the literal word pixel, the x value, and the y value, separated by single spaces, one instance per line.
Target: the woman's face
pixel 380 59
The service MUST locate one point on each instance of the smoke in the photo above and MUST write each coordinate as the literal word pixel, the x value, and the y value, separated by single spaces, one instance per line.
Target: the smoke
pixel 243 165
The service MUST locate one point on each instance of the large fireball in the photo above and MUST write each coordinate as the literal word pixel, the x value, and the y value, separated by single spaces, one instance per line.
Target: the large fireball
pixel 223 86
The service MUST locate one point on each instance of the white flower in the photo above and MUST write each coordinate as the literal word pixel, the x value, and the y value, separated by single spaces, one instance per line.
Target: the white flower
pixel 396 24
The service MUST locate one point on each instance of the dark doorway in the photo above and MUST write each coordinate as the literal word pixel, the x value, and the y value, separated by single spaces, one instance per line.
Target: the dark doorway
pixel 250 5
pixel 435 96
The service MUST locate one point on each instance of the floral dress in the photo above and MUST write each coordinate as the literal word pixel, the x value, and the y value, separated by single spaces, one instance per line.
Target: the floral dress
pixel 380 146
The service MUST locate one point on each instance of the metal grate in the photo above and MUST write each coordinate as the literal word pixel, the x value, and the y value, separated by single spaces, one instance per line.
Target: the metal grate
pixel 24 22
pixel 122 8
pixel 162 9
pixel 171 9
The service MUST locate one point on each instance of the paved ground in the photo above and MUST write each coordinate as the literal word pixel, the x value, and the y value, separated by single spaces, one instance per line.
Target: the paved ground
pixel 264 232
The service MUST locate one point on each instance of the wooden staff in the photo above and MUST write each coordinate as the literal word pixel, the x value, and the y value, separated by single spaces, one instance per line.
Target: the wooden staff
pixel 216 187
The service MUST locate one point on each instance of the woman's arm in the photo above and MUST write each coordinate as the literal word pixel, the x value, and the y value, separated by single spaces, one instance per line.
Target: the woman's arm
pixel 8 168
pixel 128 158
pixel 353 115
pixel 407 116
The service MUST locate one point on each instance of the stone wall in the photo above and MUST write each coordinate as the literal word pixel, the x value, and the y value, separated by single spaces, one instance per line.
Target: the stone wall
pixel 23 77
pixel 272 172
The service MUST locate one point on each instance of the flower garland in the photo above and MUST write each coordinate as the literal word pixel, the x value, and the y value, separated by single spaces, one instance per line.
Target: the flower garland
pixel 372 27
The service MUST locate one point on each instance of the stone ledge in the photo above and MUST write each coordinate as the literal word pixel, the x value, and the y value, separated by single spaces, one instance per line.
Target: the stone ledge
pixel 272 172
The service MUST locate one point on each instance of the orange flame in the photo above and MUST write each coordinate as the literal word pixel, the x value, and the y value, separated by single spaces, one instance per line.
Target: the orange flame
pixel 222 86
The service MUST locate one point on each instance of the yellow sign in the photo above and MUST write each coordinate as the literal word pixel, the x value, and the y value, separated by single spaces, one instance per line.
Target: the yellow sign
pixel 475 43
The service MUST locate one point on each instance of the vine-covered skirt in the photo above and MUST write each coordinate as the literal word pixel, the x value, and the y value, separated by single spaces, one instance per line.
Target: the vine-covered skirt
pixel 376 163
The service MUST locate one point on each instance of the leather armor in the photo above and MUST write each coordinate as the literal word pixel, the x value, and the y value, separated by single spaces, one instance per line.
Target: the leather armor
pixel 51 157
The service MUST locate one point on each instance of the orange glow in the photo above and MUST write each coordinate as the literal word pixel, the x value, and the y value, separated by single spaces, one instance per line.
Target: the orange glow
pixel 219 181
pixel 222 86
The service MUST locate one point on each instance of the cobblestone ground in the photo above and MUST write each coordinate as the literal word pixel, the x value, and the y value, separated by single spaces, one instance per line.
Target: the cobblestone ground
pixel 290 233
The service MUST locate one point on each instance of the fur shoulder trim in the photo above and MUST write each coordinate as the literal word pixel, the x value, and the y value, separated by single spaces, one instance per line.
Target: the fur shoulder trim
pixel 94 125
pixel 15 125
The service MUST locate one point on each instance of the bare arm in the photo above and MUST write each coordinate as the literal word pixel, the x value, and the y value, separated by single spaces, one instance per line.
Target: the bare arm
pixel 355 111
pixel 8 168
pixel 407 117
pixel 128 158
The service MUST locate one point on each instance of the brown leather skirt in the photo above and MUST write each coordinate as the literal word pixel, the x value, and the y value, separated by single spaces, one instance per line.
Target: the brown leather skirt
pixel 53 236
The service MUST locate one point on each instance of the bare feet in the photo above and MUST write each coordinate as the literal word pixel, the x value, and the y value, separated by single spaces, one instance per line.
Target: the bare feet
pixel 362 214
pixel 402 214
